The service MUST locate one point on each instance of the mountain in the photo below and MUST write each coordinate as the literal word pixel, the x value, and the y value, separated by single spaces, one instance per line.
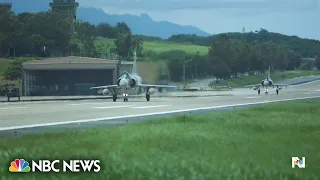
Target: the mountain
pixel 142 24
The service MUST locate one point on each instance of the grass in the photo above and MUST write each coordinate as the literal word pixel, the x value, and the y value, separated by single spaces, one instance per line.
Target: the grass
pixel 249 144
pixel 159 46
pixel 276 76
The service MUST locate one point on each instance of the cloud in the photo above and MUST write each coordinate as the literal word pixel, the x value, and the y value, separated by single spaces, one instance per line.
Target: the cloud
pixel 169 5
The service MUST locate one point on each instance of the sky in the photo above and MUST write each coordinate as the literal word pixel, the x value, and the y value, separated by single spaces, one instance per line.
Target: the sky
pixel 291 17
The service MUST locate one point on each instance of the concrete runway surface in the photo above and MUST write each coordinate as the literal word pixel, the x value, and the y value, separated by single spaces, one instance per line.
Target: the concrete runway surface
pixel 21 115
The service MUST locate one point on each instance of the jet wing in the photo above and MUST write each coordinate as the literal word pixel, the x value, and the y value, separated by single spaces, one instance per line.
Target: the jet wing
pixel 279 85
pixel 253 86
pixel 156 86
pixel 104 87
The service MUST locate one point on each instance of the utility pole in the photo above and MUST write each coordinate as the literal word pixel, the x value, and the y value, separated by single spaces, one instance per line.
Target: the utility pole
pixel 80 47
pixel 184 71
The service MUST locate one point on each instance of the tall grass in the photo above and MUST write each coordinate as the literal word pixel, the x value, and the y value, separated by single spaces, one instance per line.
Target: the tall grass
pixel 251 144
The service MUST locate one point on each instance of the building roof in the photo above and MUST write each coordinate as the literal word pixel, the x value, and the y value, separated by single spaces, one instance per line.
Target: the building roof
pixel 72 62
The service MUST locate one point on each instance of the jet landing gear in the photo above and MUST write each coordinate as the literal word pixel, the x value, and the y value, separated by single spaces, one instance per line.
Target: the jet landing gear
pixel 148 96
pixel 266 92
pixel 114 98
pixel 125 96
pixel 258 91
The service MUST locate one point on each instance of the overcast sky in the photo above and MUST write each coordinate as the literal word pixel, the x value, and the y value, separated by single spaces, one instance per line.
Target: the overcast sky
pixel 292 17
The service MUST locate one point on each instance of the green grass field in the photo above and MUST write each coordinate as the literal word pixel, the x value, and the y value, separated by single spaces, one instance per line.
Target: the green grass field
pixel 250 144
pixel 276 76
pixel 159 46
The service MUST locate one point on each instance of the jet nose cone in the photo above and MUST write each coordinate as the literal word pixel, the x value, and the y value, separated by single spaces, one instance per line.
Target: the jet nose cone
pixel 123 83
pixel 266 83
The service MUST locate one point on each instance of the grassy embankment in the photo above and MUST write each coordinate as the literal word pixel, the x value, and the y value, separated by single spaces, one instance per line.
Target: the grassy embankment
pixel 160 46
pixel 243 144
pixel 276 76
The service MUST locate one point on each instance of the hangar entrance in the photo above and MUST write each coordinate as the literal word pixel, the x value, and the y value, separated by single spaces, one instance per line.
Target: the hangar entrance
pixel 65 76
pixel 67 82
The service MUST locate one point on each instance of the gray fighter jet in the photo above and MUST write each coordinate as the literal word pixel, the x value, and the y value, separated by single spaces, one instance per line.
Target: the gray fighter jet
pixel 267 82
pixel 130 81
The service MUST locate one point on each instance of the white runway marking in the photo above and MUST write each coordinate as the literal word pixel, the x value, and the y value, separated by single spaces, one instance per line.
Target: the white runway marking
pixel 318 90
pixel 305 83
pixel 307 93
pixel 32 102
pixel 144 114
pixel 252 97
pixel 11 108
pixel 143 107
pixel 162 99
pixel 79 104
pixel 110 107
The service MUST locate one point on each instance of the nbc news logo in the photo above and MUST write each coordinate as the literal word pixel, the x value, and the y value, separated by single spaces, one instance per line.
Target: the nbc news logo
pixel 298 162
pixel 21 165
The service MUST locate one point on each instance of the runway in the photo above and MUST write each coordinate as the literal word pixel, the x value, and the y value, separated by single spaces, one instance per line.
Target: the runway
pixel 36 114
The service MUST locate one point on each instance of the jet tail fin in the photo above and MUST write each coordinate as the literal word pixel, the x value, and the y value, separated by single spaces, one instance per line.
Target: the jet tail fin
pixel 134 68
pixel 269 72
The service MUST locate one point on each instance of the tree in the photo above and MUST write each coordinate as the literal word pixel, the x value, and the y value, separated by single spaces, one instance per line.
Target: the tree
pixel 87 33
pixel 222 56
pixel 10 27
pixel 317 62
pixel 123 44
pixel 137 44
pixel 175 69
pixel 44 29
pixel 13 71
pixel 122 27
pixel 106 30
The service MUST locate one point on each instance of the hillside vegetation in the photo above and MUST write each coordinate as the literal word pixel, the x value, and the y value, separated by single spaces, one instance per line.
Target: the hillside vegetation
pixel 304 47
pixel 47 34
pixel 156 47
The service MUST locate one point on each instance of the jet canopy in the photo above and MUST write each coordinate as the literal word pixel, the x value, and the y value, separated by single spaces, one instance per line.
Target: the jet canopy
pixel 125 75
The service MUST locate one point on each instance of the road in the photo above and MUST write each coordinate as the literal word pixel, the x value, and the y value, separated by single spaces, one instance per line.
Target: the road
pixel 96 112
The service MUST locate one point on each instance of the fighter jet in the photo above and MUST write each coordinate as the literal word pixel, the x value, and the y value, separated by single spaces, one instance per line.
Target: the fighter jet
pixel 129 81
pixel 267 82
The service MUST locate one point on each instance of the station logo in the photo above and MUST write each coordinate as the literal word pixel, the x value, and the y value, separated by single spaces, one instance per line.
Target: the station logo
pixel 298 162
pixel 78 165
pixel 19 165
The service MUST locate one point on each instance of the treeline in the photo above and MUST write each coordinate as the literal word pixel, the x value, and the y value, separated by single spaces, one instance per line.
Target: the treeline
pixel 304 47
pixel 230 57
pixel 231 54
pixel 47 34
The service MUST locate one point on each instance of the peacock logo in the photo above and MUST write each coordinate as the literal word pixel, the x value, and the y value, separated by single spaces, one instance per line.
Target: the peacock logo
pixel 19 165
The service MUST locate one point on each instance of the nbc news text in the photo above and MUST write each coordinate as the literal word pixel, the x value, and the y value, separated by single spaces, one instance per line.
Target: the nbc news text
pixel 65 166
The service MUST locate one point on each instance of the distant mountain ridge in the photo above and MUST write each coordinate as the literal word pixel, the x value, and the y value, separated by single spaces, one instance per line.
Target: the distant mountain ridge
pixel 142 24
